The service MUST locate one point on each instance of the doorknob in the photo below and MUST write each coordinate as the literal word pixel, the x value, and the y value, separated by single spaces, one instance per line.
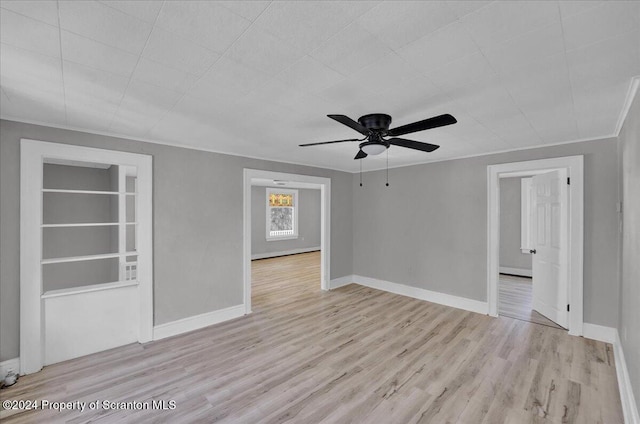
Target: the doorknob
pixel 532 251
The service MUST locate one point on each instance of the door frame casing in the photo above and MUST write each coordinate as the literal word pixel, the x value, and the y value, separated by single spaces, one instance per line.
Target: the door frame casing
pixel 32 156
pixel 575 171
pixel 325 224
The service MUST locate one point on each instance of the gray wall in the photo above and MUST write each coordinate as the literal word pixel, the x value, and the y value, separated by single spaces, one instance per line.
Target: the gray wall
pixel 63 208
pixel 308 222
pixel 510 225
pixel 629 324
pixel 197 242
pixel 429 228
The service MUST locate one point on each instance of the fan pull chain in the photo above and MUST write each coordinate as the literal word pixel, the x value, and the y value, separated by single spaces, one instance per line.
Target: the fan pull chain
pixel 387 168
pixel 360 172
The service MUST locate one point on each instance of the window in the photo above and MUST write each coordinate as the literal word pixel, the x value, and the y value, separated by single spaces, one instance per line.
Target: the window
pixel 282 214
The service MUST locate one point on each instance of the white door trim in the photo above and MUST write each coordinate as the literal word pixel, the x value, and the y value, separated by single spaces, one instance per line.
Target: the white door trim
pixel 575 170
pixel 325 223
pixel 32 156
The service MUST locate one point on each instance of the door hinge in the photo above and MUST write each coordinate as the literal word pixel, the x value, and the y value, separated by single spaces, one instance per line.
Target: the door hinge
pixel 568 180
pixel 568 308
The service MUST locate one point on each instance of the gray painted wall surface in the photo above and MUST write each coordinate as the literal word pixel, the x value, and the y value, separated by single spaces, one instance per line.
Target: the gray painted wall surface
pixel 429 228
pixel 510 225
pixel 308 222
pixel 64 208
pixel 197 242
pixel 629 325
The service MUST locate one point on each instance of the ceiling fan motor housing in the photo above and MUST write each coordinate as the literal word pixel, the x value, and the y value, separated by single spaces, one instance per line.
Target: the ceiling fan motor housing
pixel 375 121
pixel 378 124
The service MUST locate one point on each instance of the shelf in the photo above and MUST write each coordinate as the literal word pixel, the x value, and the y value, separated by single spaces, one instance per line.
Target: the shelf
pixel 55 190
pixel 86 258
pixel 89 224
pixel 87 289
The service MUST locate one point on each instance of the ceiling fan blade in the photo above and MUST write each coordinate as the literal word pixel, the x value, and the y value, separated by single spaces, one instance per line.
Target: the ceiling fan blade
pixel 345 120
pixel 360 155
pixel 328 142
pixel 417 145
pixel 427 124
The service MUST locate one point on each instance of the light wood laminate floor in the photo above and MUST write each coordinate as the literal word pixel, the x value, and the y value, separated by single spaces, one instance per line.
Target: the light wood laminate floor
pixel 515 300
pixel 352 355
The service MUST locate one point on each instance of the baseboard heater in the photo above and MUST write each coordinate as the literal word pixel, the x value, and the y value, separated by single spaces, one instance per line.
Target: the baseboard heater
pixel 268 255
pixel 518 272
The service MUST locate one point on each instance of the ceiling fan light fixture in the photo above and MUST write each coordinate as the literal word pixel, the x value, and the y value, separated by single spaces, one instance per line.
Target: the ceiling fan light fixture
pixel 372 148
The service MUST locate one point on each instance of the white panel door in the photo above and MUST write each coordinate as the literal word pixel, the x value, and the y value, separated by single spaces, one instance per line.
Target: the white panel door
pixel 550 224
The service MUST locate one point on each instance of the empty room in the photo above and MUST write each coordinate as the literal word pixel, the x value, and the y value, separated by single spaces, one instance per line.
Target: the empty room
pixel 319 211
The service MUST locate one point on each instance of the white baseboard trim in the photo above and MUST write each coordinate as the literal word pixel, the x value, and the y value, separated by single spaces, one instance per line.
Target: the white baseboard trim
pixel 599 332
pixel 629 406
pixel 423 294
pixel 516 271
pixel 284 253
pixel 611 335
pixel 9 365
pixel 196 322
pixel 339 282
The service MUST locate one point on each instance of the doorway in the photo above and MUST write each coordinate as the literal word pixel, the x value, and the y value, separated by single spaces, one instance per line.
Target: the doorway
pixel 515 293
pixel 288 184
pixel 285 240
pixel 516 282
pixel 556 256
pixel 86 251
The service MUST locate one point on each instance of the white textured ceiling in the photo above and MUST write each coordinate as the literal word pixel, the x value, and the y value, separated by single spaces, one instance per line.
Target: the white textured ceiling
pixel 256 78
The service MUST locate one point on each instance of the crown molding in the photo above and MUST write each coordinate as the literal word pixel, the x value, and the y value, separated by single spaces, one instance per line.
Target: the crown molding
pixel 631 94
pixel 632 91
pixel 496 152
pixel 162 143
pixel 628 101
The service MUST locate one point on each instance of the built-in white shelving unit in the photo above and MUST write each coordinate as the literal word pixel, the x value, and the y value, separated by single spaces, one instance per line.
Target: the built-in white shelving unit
pixel 86 257
pixel 116 206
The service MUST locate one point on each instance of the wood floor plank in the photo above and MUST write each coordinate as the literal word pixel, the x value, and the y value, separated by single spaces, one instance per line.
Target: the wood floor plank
pixel 352 355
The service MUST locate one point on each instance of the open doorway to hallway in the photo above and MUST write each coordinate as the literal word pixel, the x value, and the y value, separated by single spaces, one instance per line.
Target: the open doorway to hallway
pixel 559 259
pixel 531 238
pixel 515 293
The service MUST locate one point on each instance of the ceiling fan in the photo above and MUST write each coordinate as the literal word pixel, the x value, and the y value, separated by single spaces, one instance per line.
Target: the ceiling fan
pixel 375 127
